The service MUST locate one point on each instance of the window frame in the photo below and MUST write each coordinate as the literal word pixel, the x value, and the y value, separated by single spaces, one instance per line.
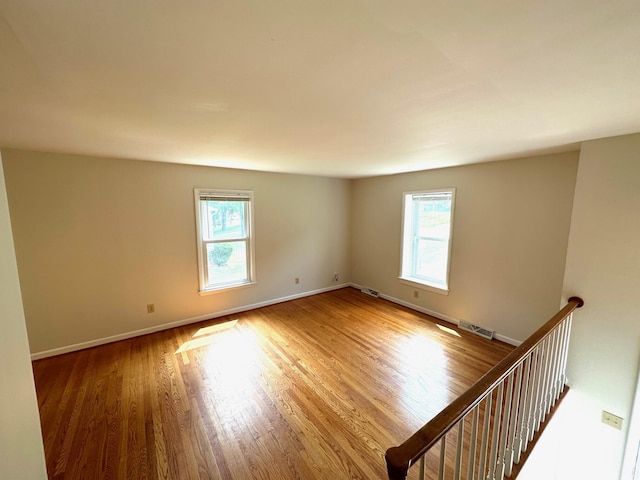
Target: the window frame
pixel 205 286
pixel 408 240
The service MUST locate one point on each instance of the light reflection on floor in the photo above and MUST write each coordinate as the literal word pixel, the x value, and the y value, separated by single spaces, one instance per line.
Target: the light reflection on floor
pixel 426 374
pixel 448 330
pixel 230 359
pixel 218 327
pixel 206 336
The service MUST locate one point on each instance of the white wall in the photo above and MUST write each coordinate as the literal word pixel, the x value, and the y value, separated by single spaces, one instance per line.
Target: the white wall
pixel 97 239
pixel 21 452
pixel 509 239
pixel 603 267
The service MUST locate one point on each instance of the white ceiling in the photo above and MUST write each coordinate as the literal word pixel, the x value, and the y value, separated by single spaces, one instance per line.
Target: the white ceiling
pixel 347 88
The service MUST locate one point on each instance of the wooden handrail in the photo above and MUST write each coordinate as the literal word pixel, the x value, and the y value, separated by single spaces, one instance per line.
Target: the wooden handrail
pixel 401 458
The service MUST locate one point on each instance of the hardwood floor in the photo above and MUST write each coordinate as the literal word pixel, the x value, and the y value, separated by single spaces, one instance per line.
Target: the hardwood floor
pixel 315 388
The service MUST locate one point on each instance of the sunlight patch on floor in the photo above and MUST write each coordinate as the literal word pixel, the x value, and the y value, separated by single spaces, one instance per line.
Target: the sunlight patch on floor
pixel 447 330
pixel 206 335
pixel 218 327
pixel 425 374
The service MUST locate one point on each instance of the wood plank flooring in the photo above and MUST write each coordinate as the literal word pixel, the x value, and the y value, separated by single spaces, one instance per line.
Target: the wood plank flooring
pixel 315 388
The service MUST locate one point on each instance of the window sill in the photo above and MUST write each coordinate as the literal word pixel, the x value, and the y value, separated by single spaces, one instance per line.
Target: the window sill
pixel 439 289
pixel 226 288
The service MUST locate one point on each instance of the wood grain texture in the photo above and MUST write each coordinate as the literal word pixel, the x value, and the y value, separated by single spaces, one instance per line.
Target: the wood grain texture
pixel 315 388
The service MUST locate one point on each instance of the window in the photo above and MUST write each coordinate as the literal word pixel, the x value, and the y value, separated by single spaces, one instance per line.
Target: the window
pixel 225 238
pixel 426 239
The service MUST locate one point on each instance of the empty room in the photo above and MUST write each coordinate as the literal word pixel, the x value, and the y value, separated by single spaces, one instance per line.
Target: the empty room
pixel 319 240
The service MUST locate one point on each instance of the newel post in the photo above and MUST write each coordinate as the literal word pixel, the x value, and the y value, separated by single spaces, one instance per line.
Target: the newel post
pixel 397 467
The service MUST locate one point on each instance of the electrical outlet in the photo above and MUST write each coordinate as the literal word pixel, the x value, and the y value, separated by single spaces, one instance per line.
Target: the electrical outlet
pixel 336 277
pixel 415 294
pixel 612 420
pixel 151 308
pixel 297 280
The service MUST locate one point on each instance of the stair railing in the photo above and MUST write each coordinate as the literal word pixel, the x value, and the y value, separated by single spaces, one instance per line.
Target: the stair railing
pixel 485 431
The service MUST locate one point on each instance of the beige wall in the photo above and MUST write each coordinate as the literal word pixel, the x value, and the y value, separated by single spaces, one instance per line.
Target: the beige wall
pixel 509 239
pixel 603 266
pixel 97 239
pixel 21 452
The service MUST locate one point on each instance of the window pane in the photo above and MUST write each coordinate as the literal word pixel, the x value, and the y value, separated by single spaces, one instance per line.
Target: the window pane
pixel 224 220
pixel 431 260
pixel 433 218
pixel 227 262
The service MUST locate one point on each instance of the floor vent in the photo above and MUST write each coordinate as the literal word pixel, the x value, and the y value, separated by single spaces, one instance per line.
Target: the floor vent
pixel 370 291
pixel 470 327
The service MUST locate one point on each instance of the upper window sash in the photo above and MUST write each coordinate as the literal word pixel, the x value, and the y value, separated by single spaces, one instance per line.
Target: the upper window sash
pixel 209 228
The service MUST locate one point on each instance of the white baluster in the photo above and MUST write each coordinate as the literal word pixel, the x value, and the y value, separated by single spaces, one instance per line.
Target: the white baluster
pixel 524 410
pixel 443 452
pixel 472 443
pixel 565 350
pixel 542 369
pixel 458 469
pixel 515 412
pixel 505 429
pixel 548 390
pixel 484 447
pixel 535 392
pixel 496 432
pixel 557 364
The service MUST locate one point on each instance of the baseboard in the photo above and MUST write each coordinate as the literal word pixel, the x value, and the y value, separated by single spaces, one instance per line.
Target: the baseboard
pixel 439 316
pixel 178 323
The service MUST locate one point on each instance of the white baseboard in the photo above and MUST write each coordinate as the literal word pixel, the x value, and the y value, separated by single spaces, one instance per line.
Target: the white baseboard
pixel 440 316
pixel 178 323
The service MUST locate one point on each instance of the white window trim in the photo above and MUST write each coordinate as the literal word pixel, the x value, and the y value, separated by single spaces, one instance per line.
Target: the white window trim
pixel 204 287
pixel 425 284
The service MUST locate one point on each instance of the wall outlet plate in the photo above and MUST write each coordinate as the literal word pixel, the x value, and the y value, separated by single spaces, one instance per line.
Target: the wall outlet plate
pixel 612 420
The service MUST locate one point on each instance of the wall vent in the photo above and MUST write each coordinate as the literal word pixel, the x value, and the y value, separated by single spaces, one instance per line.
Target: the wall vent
pixel 370 291
pixel 470 327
